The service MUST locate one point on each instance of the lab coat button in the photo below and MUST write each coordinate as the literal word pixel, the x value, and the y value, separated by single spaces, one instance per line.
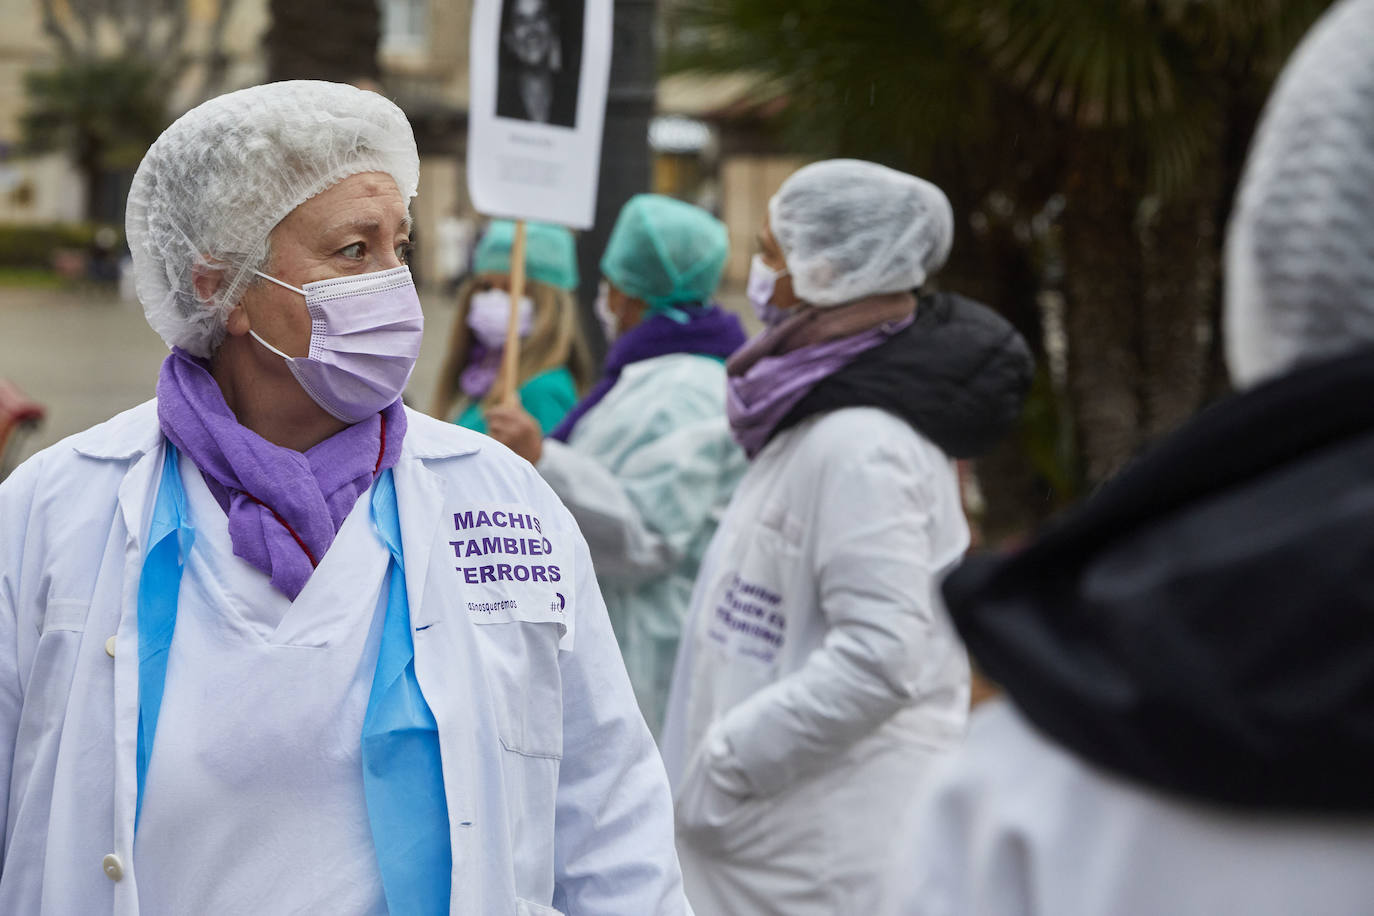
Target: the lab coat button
pixel 110 647
pixel 114 869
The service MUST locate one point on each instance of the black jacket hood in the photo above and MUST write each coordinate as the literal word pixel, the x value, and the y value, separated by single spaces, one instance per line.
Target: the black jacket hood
pixel 1205 623
pixel 959 374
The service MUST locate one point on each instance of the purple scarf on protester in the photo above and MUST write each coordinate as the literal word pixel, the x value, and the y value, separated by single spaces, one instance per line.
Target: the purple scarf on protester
pixel 709 331
pixel 284 506
pixel 779 366
pixel 479 375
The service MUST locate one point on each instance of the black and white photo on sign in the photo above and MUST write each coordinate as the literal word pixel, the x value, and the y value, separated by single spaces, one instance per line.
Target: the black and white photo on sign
pixel 537 102
pixel 540 61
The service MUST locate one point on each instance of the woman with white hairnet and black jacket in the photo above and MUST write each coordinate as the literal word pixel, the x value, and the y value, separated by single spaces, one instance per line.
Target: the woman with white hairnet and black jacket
pixel 1188 659
pixel 817 677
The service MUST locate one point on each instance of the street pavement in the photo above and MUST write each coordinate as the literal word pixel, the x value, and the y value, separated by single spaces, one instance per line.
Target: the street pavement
pixel 85 355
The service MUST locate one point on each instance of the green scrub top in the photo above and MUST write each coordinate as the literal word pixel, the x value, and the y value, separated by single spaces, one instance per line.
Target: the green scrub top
pixel 547 397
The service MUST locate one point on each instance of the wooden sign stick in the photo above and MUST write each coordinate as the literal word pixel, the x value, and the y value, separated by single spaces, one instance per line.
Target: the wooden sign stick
pixel 510 362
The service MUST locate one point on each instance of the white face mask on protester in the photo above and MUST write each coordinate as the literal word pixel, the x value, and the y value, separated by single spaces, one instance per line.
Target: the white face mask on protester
pixel 489 313
pixel 365 333
pixel 610 326
pixel 763 281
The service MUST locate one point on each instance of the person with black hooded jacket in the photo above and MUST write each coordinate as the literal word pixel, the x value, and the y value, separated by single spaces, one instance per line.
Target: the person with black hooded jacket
pixel 1189 657
pixel 817 676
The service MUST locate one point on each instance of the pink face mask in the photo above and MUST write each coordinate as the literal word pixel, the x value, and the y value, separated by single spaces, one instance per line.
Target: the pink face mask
pixel 365 334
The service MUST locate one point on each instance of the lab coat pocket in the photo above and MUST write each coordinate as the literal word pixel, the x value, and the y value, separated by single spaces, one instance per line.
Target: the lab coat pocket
pixel 49 679
pixel 65 615
pixel 525 907
pixel 709 817
pixel 521 658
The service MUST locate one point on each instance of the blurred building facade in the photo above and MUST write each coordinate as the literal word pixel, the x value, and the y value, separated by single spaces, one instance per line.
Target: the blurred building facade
pixel 708 143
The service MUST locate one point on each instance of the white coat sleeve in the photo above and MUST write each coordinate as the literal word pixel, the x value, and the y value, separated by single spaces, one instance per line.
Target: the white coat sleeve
pixel 642 518
pixel 885 642
pixel 614 852
pixel 16 500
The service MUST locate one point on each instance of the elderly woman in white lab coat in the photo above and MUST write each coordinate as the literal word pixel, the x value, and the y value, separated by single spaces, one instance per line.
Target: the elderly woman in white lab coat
pixel 274 643
pixel 817 678
pixel 1190 718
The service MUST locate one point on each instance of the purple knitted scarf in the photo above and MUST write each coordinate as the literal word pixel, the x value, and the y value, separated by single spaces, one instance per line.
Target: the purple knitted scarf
pixel 284 506
pixel 709 331
pixel 776 368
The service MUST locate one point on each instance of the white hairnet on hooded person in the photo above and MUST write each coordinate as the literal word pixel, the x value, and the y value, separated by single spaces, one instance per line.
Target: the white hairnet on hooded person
pixel 1300 250
pixel 213 186
pixel 850 229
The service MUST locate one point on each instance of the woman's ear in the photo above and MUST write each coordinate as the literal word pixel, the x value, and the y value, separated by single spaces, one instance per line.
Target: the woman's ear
pixel 237 324
pixel 206 280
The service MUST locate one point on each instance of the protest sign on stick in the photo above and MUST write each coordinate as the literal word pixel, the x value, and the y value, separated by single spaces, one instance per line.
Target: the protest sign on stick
pixel 537 102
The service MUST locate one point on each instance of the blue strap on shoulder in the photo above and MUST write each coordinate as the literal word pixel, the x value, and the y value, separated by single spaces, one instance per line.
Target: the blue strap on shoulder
pixel 170 537
pixel 403 777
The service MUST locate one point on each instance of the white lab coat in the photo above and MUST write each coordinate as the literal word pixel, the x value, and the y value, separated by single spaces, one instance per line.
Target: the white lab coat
pixel 647 474
pixel 1014 825
pixel 818 676
pixel 557 799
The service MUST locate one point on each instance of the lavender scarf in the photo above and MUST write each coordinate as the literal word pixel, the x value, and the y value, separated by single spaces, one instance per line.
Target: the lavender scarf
pixel 480 373
pixel 709 331
pixel 779 366
pixel 284 506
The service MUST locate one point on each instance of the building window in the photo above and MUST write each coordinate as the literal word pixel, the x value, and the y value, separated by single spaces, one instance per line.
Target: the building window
pixel 405 26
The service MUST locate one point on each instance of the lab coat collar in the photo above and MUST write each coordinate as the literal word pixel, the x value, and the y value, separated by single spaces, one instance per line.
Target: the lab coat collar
pixel 124 436
pixel 429 439
pixel 421 494
pixel 136 432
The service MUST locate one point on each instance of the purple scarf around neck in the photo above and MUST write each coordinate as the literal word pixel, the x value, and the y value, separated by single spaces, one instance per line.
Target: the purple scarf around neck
pixel 709 331
pixel 284 506
pixel 480 373
pixel 771 374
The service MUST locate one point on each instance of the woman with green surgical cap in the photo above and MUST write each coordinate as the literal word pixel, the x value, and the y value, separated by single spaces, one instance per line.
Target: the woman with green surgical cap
pixel 555 363
pixel 646 461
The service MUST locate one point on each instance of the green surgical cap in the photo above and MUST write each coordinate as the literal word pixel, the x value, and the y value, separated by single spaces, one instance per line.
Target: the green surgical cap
pixel 550 253
pixel 665 252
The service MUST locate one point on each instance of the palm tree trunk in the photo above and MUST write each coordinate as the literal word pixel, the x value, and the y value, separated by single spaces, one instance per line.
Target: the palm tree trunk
pixel 1104 302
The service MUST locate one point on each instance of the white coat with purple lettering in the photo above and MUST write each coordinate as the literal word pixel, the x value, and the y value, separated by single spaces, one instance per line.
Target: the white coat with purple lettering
pixel 557 798
pixel 818 676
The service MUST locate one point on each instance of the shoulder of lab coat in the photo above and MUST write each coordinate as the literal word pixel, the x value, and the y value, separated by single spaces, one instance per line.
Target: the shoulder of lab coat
pixel 649 467
pixel 1014 823
pixel 873 561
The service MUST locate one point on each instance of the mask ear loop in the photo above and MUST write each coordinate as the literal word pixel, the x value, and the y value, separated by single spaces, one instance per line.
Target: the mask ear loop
pixel 279 283
pixel 254 334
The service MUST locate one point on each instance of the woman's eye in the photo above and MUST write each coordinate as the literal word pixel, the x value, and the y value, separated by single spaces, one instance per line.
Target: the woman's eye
pixel 353 251
pixel 404 251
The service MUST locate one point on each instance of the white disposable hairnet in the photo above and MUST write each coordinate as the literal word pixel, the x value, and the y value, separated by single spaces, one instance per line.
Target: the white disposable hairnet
pixel 212 187
pixel 850 229
pixel 1300 250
